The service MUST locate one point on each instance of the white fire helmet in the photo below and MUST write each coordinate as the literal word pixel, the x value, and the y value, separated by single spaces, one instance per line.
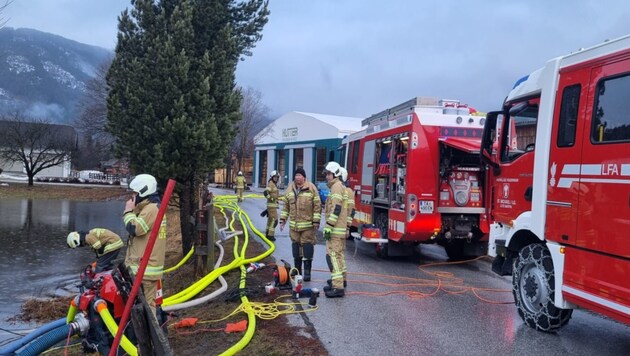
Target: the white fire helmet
pixel 274 173
pixel 344 174
pixel 73 239
pixel 240 173
pixel 143 184
pixel 334 168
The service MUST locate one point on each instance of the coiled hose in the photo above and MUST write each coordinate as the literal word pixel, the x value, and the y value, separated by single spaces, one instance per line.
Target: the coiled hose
pixel 47 340
pixel 12 346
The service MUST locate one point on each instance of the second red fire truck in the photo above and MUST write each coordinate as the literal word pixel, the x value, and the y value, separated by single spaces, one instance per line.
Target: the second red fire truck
pixel 416 174
pixel 559 187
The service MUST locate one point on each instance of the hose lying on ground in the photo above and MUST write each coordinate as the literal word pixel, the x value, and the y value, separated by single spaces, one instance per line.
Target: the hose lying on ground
pixel 44 342
pixel 11 347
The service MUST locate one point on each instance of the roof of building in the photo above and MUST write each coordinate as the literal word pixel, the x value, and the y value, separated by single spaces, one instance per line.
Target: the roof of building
pixel 306 126
pixel 47 134
pixel 345 124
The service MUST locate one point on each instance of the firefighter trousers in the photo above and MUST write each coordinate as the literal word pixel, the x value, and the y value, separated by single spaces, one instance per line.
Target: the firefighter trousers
pixel 272 221
pixel 239 193
pixel 335 248
pixel 301 238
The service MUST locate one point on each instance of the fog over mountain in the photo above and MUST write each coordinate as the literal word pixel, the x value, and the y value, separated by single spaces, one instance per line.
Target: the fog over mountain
pixel 44 75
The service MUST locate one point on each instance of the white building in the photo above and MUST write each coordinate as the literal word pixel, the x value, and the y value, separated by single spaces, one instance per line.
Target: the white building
pixel 300 139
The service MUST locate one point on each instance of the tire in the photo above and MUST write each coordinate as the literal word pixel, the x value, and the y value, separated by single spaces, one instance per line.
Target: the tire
pixel 455 249
pixel 382 250
pixel 533 289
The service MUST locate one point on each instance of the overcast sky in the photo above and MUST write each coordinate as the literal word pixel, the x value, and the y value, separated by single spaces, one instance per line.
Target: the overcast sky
pixel 358 57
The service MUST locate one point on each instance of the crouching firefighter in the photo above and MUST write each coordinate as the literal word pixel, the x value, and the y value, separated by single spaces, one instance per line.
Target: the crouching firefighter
pixel 271 193
pixel 302 207
pixel 139 217
pixel 335 229
pixel 106 244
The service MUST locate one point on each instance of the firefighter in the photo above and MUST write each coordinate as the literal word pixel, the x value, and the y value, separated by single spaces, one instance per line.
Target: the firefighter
pixel 349 206
pixel 271 193
pixel 335 229
pixel 141 210
pixel 302 207
pixel 240 185
pixel 106 244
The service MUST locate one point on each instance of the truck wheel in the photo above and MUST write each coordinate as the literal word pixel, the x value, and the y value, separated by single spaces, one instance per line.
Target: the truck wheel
pixel 533 288
pixel 455 249
pixel 382 251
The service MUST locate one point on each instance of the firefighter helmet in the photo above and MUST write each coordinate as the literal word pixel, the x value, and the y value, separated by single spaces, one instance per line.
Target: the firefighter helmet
pixel 334 168
pixel 143 184
pixel 344 174
pixel 240 173
pixel 74 240
pixel 274 173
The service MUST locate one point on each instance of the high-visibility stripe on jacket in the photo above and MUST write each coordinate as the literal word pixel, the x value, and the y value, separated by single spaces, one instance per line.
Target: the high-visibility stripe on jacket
pixel 349 205
pixel 336 214
pixel 302 206
pixel 103 241
pixel 272 195
pixel 139 223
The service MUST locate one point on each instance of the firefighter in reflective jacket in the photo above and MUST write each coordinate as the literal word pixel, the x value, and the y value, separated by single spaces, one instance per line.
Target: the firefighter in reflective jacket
pixel 271 193
pixel 349 212
pixel 139 217
pixel 302 207
pixel 240 185
pixel 105 244
pixel 335 229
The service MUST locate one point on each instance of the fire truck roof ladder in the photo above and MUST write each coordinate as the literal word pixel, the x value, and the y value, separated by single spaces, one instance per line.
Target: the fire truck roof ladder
pixel 419 101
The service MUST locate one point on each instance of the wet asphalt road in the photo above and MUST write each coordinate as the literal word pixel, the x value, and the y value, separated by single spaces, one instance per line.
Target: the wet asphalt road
pixel 430 322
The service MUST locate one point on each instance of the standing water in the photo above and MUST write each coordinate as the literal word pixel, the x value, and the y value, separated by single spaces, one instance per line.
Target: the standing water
pixel 34 258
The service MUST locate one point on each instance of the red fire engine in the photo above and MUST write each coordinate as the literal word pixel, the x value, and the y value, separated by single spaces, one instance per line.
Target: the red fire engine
pixel 417 178
pixel 559 186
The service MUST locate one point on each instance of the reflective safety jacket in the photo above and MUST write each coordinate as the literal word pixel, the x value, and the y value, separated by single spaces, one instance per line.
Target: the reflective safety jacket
pixel 139 223
pixel 271 193
pixel 103 241
pixel 336 209
pixel 302 206
pixel 349 205
pixel 240 182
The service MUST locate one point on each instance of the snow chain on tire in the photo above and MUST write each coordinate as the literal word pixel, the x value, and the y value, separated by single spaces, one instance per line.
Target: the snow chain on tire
pixel 533 286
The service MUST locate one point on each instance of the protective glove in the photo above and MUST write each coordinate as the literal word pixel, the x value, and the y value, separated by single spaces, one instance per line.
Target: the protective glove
pixel 266 193
pixel 264 213
pixel 327 233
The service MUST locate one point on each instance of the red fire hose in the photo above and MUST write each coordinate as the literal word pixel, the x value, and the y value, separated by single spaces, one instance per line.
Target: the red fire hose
pixel 143 265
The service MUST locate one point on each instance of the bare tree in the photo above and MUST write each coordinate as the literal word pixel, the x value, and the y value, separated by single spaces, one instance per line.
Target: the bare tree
pixel 3 6
pixel 96 143
pixel 35 144
pixel 255 117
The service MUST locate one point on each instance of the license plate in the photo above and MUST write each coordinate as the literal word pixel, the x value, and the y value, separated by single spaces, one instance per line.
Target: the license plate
pixel 426 206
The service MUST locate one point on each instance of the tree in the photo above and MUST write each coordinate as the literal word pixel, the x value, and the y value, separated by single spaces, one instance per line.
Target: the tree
pixel 173 100
pixel 254 121
pixel 3 6
pixel 36 144
pixel 95 142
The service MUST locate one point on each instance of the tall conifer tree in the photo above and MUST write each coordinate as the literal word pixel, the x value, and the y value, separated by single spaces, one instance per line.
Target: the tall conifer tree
pixel 173 100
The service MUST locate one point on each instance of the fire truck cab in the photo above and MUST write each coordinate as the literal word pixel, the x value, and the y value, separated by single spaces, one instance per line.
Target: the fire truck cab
pixel 558 158
pixel 417 178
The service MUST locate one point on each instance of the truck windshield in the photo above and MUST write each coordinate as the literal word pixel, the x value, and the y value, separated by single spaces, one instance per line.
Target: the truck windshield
pixel 519 131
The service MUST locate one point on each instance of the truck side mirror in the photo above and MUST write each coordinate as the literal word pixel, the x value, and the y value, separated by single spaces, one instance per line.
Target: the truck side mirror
pixel 488 139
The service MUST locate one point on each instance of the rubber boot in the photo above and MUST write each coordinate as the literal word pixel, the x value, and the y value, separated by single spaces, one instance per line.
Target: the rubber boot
pixel 334 293
pixel 298 264
pixel 270 238
pixel 307 270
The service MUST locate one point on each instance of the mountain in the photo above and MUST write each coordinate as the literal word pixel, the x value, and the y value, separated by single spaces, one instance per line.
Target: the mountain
pixel 44 75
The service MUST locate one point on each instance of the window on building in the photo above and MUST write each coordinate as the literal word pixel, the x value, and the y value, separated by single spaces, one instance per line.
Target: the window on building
pixel 262 174
pixel 320 163
pixel 568 115
pixel 281 169
pixel 611 122
pixel 298 158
